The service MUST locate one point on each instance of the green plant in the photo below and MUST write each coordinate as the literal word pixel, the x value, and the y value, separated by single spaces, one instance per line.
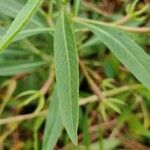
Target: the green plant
pixel 27 59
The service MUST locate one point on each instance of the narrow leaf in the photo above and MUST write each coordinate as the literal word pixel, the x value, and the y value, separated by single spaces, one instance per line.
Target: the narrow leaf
pixel 54 126
pixel 67 74
pixel 12 54
pixel 76 7
pixel 11 8
pixel 20 21
pixel 14 68
pixel 117 101
pixel 113 106
pixel 28 32
pixel 126 50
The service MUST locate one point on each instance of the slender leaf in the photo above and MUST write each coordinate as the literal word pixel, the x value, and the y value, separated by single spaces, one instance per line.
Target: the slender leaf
pixel 20 21
pixel 13 68
pixel 11 8
pixel 28 32
pixel 54 126
pixel 126 50
pixel 67 74
pixel 12 54
pixel 76 7
pixel 116 100
pixel 113 106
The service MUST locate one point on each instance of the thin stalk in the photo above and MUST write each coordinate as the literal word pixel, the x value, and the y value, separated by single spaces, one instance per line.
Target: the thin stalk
pixel 36 51
pixel 49 81
pixel 92 7
pixel 23 117
pixel 10 90
pixel 91 83
pixel 110 93
pixel 83 101
pixel 125 28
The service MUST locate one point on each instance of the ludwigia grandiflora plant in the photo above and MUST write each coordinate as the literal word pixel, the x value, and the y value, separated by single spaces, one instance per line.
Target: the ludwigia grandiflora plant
pixel 42 46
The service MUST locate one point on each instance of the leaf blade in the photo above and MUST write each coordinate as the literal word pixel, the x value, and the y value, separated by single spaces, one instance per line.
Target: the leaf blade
pixel 14 68
pixel 28 33
pixel 126 50
pixel 67 74
pixel 54 126
pixel 11 8
pixel 20 21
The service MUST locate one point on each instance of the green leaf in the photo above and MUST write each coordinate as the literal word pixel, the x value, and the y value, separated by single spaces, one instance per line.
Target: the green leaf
pixel 85 130
pixel 137 128
pixel 126 50
pixel 116 100
pixel 54 126
pixel 12 54
pixel 13 68
pixel 20 21
pixel 67 74
pixel 113 106
pixel 28 32
pixel 103 111
pixel 107 144
pixel 37 125
pixel 76 7
pixel 11 8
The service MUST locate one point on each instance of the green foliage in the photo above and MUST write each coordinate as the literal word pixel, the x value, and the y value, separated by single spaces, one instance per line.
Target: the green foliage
pixel 67 76
pixel 45 45
pixel 28 32
pixel 12 68
pixel 54 126
pixel 126 50
pixel 20 21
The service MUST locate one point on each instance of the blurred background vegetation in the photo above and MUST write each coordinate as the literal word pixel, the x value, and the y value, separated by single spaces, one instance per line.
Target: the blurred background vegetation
pixel 114 106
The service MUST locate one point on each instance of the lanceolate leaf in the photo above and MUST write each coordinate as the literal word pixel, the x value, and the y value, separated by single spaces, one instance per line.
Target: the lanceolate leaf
pixel 67 74
pixel 20 21
pixel 12 68
pixel 28 32
pixel 54 126
pixel 126 50
pixel 12 7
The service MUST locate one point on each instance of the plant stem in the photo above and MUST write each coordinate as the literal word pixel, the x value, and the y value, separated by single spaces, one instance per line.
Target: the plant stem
pixel 23 117
pixel 49 81
pixel 36 51
pixel 125 28
pixel 83 101
pixel 91 83
pixel 92 7
pixel 110 93
pixel 123 20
